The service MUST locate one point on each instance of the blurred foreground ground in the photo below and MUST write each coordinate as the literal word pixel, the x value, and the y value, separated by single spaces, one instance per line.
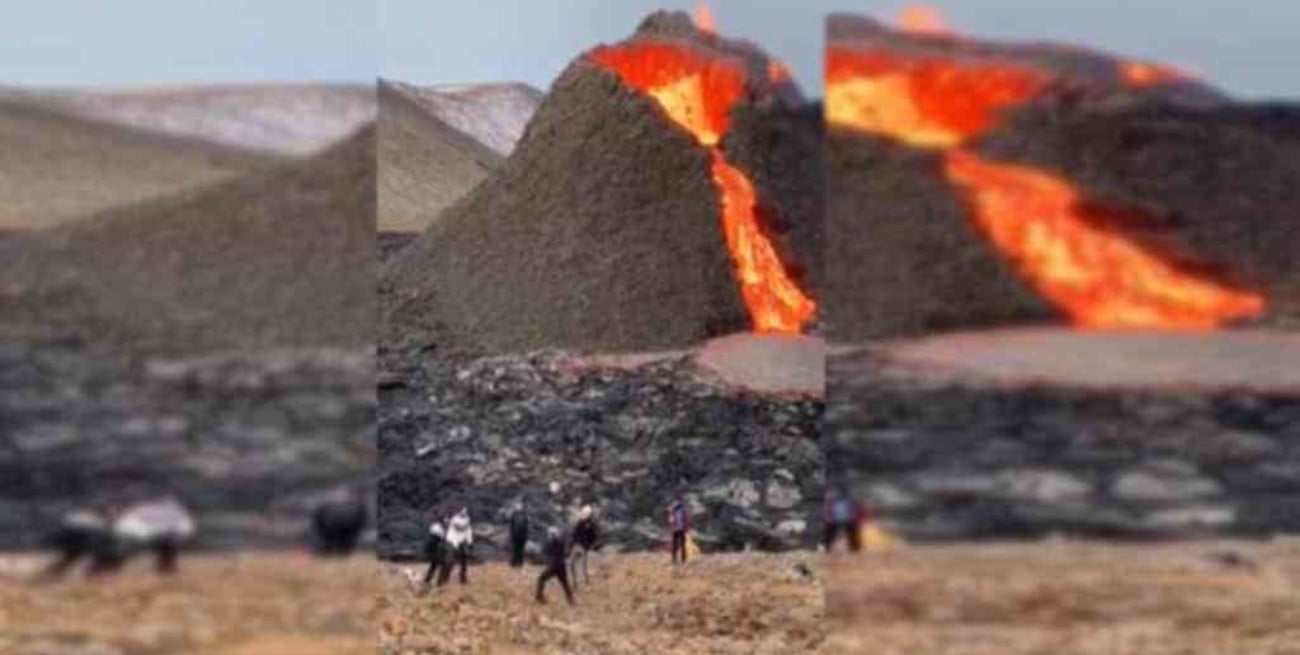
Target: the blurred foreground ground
pixel 1203 598
pixel 244 604
pixel 753 603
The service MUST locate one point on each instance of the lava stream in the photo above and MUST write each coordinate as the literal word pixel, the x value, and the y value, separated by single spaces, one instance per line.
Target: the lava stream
pixel 698 92
pixel 925 102
pixel 1099 279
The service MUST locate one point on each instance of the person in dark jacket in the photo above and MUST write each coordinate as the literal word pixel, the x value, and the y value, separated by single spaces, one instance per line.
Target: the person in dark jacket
pixel 435 550
pixel 81 534
pixel 585 535
pixel 518 534
pixel 337 523
pixel 679 523
pixel 843 514
pixel 556 552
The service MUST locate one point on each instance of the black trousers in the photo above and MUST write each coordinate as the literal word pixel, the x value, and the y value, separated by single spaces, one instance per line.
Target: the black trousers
pixel 553 571
pixel 517 545
pixel 679 545
pixel 459 555
pixel 851 534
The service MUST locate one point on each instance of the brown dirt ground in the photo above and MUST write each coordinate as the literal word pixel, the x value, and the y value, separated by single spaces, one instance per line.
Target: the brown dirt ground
pixel 1066 598
pixel 720 604
pixel 246 604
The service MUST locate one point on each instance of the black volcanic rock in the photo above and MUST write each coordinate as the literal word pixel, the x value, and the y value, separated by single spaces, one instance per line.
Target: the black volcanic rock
pixel 482 432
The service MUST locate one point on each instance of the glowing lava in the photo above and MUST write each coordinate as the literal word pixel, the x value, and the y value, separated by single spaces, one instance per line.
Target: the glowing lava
pixel 698 93
pixel 1098 277
pixel 921 19
pixel 924 102
pixel 1142 74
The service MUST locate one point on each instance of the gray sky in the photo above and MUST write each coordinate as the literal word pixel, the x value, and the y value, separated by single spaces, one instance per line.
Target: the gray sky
pixel 1248 47
pixel 125 42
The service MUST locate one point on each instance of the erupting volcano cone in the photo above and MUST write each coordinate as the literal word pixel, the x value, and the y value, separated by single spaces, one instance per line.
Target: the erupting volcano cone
pixel 941 220
pixel 648 205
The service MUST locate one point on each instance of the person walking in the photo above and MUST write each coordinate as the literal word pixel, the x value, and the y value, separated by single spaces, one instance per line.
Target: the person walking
pixel 585 536
pixel 556 552
pixel 460 536
pixel 518 534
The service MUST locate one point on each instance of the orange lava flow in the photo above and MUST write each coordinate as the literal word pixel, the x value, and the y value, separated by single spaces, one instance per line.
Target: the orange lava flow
pixel 922 19
pixel 922 102
pixel 1142 75
pixel 698 92
pixel 1098 277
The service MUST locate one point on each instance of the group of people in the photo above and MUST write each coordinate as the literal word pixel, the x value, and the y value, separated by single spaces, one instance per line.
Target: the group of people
pixel 109 539
pixel 564 555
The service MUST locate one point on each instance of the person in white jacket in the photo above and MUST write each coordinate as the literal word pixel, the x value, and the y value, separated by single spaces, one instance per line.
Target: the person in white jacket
pixel 460 536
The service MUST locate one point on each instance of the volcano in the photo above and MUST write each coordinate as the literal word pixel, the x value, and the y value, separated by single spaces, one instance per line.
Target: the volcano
pixel 667 190
pixel 976 183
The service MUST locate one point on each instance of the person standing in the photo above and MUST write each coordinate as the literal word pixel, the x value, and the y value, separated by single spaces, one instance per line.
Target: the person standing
pixel 585 536
pixel 435 549
pixel 460 536
pixel 556 565
pixel 518 534
pixel 161 526
pixel 843 514
pixel 81 534
pixel 679 523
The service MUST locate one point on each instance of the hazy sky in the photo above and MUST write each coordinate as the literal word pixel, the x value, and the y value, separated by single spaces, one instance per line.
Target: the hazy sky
pixel 1246 47
pixel 114 42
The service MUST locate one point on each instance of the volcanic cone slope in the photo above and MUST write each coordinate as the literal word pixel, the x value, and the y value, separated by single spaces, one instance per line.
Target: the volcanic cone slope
pixel 425 164
pixel 601 231
pixel 56 168
pixel 902 256
pixel 277 258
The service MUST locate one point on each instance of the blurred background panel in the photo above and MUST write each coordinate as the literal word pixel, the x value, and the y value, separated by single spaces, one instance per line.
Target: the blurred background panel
pixel 187 304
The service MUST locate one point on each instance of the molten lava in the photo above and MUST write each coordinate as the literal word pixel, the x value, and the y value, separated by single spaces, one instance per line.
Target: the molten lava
pixel 1098 277
pixel 698 93
pixel 926 102
pixel 921 19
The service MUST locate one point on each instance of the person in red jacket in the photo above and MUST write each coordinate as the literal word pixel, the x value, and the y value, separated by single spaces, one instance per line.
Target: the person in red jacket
pixel 679 523
pixel 843 514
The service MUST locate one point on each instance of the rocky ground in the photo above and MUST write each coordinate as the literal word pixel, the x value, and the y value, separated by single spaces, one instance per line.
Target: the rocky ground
pixel 751 603
pixel 559 431
pixel 1068 598
pixel 246 604
pixel 988 451
pixel 249 440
